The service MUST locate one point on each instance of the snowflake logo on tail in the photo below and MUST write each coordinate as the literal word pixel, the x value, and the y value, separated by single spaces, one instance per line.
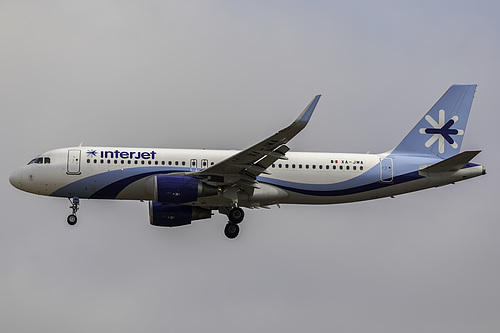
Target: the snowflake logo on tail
pixel 441 131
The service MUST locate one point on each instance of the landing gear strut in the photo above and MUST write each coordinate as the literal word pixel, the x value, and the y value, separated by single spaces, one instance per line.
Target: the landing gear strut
pixel 74 206
pixel 235 216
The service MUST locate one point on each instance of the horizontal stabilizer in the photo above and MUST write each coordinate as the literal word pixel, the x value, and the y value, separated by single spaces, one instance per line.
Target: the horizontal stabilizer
pixel 453 163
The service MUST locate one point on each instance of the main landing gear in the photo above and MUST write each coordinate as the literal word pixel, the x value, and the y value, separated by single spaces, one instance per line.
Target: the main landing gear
pixel 74 206
pixel 235 216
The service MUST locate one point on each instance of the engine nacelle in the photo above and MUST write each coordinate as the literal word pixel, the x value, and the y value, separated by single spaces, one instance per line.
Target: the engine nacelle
pixel 169 215
pixel 179 189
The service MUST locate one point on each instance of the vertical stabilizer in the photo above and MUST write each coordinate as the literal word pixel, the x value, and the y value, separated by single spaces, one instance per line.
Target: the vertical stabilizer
pixel 442 129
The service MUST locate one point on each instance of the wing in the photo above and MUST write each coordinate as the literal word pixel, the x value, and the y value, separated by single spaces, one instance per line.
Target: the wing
pixel 245 166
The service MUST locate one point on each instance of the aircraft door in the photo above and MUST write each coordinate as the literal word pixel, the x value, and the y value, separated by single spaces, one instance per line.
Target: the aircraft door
pixel 386 170
pixel 73 166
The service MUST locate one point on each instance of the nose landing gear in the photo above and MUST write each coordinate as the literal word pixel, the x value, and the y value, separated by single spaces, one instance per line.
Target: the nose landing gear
pixel 72 219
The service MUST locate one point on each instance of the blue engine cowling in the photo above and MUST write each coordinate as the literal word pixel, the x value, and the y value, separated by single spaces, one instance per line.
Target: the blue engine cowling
pixel 180 189
pixel 170 215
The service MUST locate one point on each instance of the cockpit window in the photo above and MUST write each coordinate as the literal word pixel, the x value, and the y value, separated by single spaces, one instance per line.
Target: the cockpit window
pixel 40 160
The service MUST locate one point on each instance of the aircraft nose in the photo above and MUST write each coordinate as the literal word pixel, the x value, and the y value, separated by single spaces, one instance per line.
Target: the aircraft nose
pixel 16 178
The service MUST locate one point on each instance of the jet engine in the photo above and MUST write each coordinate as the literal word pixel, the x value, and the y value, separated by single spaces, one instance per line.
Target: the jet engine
pixel 171 215
pixel 179 189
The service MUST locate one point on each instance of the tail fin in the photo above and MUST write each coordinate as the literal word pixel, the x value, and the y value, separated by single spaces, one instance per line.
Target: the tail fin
pixel 441 131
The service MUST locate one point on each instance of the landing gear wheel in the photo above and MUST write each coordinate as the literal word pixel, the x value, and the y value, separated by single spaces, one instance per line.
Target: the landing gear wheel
pixel 75 201
pixel 72 219
pixel 231 230
pixel 236 215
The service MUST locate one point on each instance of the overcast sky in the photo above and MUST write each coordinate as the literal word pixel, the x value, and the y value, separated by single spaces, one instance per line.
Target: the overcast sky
pixel 226 74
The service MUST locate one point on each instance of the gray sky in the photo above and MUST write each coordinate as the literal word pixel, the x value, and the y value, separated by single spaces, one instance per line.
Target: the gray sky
pixel 224 74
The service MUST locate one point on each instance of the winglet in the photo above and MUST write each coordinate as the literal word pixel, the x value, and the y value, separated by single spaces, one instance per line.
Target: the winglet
pixel 307 113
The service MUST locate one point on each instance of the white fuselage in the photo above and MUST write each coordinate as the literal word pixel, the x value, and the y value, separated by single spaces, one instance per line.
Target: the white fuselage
pixel 304 178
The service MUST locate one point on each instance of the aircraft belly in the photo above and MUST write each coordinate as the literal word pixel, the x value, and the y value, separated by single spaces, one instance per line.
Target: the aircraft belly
pixel 263 196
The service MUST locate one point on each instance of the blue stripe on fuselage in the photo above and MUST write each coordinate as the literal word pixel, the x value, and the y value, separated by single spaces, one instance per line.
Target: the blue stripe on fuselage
pixel 108 185
pixel 353 186
pixel 336 189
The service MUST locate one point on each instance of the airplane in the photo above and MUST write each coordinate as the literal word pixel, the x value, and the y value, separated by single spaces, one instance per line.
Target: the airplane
pixel 184 185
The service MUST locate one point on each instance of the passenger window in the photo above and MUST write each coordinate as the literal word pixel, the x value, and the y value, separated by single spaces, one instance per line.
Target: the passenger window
pixel 149 162
pixel 162 162
pixel 293 166
pixel 307 166
pixel 361 168
pixel 286 166
pixel 341 167
pixel 156 162
pixel 347 167
pixel 88 160
pixel 102 161
pixel 123 162
pixel 176 162
pixel 109 161
pixel 279 166
pixel 116 162
pixel 95 161
pixel 300 166
pixel 314 166
pixel 142 162
pixel 129 162
pixel 354 167
pixel 327 167
pixel 334 167
pixel 320 167
pixel 183 163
